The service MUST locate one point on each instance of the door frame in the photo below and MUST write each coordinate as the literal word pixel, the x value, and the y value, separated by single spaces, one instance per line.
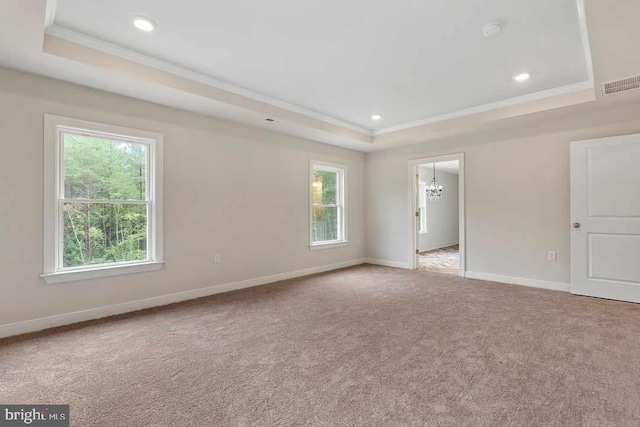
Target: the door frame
pixel 582 280
pixel 413 208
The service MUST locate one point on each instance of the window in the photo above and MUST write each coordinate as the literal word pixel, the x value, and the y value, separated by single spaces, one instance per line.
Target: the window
pixel 422 206
pixel 103 208
pixel 327 205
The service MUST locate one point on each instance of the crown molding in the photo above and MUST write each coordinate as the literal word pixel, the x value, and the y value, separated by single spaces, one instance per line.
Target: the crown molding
pixel 562 90
pixel 50 12
pixel 82 39
pixel 584 36
pixel 85 40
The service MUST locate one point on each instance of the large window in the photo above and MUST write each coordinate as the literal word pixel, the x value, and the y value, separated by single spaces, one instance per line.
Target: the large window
pixel 327 205
pixel 102 203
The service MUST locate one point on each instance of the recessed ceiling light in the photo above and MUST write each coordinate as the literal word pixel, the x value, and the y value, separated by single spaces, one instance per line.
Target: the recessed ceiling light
pixel 376 117
pixel 522 77
pixel 144 24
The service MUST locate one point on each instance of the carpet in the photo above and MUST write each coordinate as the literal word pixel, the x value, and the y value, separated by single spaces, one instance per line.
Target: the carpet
pixel 367 345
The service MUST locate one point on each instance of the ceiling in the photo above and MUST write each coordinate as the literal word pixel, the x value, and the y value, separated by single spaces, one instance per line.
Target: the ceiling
pixel 321 69
pixel 406 60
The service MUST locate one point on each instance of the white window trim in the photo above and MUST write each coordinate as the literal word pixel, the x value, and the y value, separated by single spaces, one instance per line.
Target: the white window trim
pixel 423 222
pixel 53 125
pixel 423 229
pixel 342 172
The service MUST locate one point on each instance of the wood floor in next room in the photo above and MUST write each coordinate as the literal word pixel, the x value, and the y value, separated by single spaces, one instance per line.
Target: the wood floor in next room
pixel 443 260
pixel 366 345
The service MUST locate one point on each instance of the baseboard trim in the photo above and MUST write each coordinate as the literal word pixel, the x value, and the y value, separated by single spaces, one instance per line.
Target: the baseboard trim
pixel 440 247
pixel 532 283
pixel 39 324
pixel 386 263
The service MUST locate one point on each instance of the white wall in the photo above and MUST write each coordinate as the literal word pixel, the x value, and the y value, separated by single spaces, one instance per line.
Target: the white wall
pixel 218 176
pixel 517 193
pixel 442 215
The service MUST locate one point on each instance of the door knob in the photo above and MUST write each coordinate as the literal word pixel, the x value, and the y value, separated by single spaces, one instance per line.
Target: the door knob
pixel 576 225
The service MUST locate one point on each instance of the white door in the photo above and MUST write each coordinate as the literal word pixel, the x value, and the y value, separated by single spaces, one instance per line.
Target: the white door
pixel 605 215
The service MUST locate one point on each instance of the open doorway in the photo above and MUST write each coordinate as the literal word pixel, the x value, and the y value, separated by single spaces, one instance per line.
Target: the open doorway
pixel 438 201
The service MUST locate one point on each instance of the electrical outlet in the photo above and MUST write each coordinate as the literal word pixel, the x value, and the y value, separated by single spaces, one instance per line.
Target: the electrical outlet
pixel 216 259
pixel 551 256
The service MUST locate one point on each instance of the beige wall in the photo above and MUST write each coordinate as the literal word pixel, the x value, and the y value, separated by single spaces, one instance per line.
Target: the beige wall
pixel 517 193
pixel 228 189
pixel 217 174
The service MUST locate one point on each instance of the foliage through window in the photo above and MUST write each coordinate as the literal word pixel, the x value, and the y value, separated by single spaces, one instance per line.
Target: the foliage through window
pixel 104 202
pixel 327 199
pixel 105 198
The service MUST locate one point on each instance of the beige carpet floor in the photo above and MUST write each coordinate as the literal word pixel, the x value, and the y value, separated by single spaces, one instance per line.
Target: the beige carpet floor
pixel 370 346
pixel 443 260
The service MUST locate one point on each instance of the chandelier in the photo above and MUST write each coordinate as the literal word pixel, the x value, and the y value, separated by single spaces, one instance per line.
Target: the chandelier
pixel 434 190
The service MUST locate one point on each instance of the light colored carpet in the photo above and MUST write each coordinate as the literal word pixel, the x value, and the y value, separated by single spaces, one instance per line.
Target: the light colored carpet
pixel 371 346
pixel 443 260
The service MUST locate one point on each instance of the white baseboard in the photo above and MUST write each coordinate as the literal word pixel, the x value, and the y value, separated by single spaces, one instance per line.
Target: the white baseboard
pixel 99 312
pixel 440 246
pixel 386 263
pixel 533 283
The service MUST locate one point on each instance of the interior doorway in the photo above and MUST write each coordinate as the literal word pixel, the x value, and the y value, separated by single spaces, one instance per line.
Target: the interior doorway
pixel 605 218
pixel 437 196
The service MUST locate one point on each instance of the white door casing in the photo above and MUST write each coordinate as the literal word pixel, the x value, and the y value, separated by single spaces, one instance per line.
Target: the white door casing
pixel 605 216
pixel 413 207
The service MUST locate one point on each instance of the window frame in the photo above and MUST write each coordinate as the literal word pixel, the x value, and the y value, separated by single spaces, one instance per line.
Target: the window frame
pixel 341 170
pixel 54 128
pixel 423 211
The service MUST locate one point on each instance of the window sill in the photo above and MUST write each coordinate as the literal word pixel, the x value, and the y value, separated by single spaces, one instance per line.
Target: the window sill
pixel 104 271
pixel 328 245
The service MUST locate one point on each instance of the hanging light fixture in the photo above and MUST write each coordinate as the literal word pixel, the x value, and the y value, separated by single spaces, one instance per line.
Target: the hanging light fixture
pixel 434 190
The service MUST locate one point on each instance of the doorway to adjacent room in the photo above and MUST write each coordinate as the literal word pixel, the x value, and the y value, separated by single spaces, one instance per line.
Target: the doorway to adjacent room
pixel 438 201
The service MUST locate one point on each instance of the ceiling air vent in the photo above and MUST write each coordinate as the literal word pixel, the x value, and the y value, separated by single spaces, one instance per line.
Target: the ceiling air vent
pixel 621 85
